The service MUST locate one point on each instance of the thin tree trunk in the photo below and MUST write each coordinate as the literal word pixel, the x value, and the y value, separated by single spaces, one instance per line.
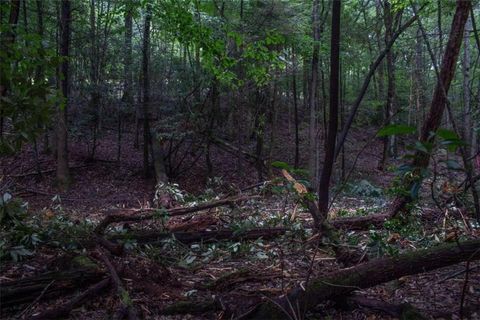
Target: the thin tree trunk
pixel 324 186
pixel 366 82
pixel 388 142
pixel 295 106
pixel 127 69
pixel 467 107
pixel 146 89
pixel 439 101
pixel 312 132
pixel 63 172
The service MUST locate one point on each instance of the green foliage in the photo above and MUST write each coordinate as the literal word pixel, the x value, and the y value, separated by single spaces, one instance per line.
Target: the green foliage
pixel 27 68
pixel 396 129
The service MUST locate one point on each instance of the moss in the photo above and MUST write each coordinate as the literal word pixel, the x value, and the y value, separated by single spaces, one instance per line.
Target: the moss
pixel 84 262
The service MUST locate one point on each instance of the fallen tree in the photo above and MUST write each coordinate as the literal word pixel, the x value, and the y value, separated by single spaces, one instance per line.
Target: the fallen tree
pixel 137 215
pixel 47 285
pixel 149 237
pixel 302 298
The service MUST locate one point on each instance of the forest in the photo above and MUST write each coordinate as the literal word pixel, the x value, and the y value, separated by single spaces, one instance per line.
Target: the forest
pixel 240 159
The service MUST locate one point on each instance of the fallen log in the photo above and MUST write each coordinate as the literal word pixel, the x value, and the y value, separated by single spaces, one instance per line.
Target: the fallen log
pixel 150 237
pixel 150 213
pixel 369 274
pixel 360 223
pixel 65 309
pixel 17 292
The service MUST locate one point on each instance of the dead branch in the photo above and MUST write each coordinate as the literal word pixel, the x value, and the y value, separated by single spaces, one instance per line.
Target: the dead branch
pixel 149 213
pixel 126 302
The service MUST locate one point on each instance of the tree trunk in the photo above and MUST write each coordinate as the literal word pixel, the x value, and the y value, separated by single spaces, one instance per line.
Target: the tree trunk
pixel 63 172
pixel 312 132
pixel 420 100
pixel 369 274
pixel 7 39
pixel 324 186
pixel 366 82
pixel 295 106
pixel 439 101
pixel 389 141
pixel 146 89
pixel 467 107
pixel 127 69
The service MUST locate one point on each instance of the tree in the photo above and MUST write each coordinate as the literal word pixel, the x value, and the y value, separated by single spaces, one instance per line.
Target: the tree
pixel 324 186
pixel 63 172
pixel 437 107
pixel 146 88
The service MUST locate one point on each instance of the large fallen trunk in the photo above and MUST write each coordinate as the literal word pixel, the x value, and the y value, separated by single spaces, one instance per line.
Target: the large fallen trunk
pixel 47 285
pixel 375 272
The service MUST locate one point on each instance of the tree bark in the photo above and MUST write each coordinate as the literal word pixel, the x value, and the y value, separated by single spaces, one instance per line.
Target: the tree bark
pixel 324 186
pixel 366 82
pixel 369 274
pixel 312 132
pixel 146 88
pixel 127 70
pixel 438 104
pixel 63 172
pixel 389 141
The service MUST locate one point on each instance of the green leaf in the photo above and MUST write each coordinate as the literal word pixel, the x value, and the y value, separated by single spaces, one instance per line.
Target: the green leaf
pixel 423 146
pixel 280 165
pixel 447 134
pixel 395 129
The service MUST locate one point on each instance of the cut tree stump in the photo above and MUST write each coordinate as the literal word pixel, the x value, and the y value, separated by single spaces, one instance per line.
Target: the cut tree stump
pixel 369 274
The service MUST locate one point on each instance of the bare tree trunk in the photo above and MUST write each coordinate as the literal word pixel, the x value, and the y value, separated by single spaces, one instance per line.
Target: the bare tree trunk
pixel 467 106
pixel 324 186
pixel 146 89
pixel 439 101
pixel 388 142
pixel 127 69
pixel 295 106
pixel 419 90
pixel 63 172
pixel 312 132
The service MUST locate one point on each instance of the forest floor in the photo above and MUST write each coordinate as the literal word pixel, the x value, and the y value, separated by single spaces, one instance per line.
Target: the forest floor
pixel 235 274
